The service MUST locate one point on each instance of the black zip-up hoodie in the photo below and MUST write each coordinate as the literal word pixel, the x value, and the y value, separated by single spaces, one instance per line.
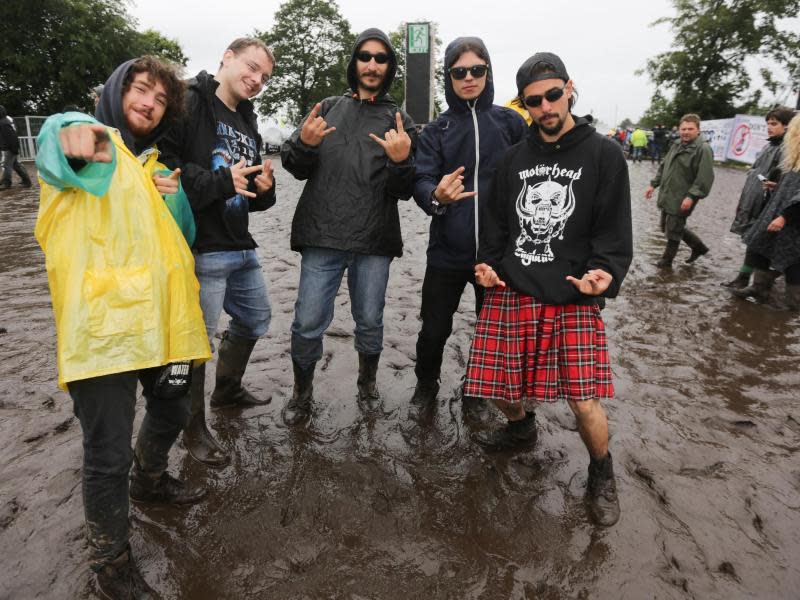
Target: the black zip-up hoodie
pixel 188 146
pixel 349 202
pixel 558 209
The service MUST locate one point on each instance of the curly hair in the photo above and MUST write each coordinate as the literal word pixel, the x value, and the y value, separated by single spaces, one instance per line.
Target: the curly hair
pixel 791 146
pixel 167 75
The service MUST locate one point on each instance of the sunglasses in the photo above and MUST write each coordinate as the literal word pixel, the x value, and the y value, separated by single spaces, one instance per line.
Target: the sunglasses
pixel 550 95
pixel 477 71
pixel 381 57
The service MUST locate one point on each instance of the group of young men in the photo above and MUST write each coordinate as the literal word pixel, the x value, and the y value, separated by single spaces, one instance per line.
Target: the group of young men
pixel 537 219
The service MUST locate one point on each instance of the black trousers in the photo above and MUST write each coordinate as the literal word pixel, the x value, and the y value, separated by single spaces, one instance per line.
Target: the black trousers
pixel 441 294
pixel 105 407
pixel 761 262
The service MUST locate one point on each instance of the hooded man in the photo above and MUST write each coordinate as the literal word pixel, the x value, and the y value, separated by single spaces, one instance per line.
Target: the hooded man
pixel 217 147
pixel 455 159
pixel 125 300
pixel 9 151
pixel 356 151
pixel 555 239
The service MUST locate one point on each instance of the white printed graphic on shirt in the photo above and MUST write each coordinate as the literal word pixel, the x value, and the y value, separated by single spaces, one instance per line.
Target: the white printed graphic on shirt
pixel 543 209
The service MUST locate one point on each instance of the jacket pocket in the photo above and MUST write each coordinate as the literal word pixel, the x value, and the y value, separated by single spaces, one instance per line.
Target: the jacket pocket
pixel 120 301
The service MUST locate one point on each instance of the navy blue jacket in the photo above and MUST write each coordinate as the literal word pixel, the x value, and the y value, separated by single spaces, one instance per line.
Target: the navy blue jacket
pixel 450 142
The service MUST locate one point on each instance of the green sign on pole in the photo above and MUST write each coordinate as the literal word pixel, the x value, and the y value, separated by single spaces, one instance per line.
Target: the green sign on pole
pixel 418 38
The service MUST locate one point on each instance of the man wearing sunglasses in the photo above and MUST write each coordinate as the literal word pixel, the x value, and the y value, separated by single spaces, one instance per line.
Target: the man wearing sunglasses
pixel 555 240
pixel 356 153
pixel 217 147
pixel 455 159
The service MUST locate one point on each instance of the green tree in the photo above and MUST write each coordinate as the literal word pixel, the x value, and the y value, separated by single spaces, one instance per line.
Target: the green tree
pixel 53 51
pixel 705 72
pixel 312 43
pixel 152 42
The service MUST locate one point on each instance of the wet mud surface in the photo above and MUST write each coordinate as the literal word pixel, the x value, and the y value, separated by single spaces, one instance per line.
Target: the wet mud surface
pixel 705 436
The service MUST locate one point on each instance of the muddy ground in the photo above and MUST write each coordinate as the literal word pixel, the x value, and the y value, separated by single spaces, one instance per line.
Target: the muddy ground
pixel 705 436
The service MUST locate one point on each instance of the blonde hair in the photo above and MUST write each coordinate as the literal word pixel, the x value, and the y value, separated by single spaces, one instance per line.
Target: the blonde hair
pixel 791 146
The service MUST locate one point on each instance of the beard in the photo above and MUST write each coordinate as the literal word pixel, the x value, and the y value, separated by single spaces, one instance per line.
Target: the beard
pixel 552 129
pixel 370 87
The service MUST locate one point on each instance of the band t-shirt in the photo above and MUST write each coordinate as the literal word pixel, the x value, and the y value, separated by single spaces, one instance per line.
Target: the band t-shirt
pixel 232 145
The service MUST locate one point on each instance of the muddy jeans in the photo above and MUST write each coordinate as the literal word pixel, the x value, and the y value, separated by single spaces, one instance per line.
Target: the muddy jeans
pixel 441 295
pixel 105 407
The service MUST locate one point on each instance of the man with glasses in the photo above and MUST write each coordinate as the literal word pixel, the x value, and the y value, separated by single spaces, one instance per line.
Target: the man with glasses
pixel 455 160
pixel 555 240
pixel 217 147
pixel 356 153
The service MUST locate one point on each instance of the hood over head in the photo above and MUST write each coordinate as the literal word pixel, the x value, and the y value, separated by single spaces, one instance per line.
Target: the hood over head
pixel 454 49
pixel 372 34
pixel 109 112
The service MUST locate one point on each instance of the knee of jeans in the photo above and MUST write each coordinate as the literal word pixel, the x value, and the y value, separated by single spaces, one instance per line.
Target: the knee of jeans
pixel 170 414
pixel 255 326
pixel 107 461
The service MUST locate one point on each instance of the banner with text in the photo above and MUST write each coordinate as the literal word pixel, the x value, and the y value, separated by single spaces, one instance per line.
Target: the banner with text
pixel 739 139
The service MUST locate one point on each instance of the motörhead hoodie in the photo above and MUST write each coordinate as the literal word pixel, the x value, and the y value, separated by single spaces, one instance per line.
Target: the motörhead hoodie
pixel 556 209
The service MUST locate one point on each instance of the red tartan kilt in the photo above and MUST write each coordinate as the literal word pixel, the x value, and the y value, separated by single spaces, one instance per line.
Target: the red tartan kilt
pixel 525 351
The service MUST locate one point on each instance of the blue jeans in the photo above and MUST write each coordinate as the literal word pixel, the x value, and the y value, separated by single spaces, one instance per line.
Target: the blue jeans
pixel 321 271
pixel 233 280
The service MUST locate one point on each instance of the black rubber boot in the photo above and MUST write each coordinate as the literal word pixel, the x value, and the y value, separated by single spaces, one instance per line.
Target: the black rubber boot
pixel 423 402
pixel 601 492
pixel 197 439
pixel 298 409
pixel 367 376
pixel 760 288
pixel 121 579
pixel 474 411
pixel 165 489
pixel 698 247
pixel 741 280
pixel 793 297
pixel 234 352
pixel 665 262
pixel 516 435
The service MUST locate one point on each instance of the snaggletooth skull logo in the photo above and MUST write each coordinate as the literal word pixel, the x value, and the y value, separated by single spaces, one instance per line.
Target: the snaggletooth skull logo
pixel 543 210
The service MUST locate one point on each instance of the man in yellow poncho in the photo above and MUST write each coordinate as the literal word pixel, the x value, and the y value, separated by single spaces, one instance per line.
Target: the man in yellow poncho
pixel 125 299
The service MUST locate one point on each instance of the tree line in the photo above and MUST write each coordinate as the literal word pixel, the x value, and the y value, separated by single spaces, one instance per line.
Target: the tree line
pixel 53 51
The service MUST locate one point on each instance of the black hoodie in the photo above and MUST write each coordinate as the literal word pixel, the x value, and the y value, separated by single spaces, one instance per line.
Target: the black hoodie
pixel 558 209
pixel 350 200
pixel 469 134
pixel 189 145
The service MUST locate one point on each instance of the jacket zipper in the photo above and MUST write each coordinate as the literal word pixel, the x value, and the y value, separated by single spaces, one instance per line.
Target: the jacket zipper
pixel 477 167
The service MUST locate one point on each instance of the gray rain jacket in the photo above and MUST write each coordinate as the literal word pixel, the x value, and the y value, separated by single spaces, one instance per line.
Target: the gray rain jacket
pixel 349 202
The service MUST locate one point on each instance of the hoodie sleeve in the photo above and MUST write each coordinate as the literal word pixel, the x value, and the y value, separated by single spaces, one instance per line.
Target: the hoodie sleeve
pixel 428 169
pixel 611 237
pixel 493 225
pixel 203 186
pixel 400 183
pixel 701 186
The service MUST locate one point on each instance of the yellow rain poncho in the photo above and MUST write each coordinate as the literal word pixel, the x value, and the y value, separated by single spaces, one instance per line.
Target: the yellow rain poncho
pixel 121 275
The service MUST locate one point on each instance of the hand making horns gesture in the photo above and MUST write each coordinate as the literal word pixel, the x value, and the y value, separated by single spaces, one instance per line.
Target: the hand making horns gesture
pixel 396 144
pixel 315 129
pixel 451 188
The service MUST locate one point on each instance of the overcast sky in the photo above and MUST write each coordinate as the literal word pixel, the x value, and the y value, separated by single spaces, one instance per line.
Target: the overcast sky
pixel 601 43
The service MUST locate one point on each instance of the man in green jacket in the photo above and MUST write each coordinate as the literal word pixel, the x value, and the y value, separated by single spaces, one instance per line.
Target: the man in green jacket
pixel 684 177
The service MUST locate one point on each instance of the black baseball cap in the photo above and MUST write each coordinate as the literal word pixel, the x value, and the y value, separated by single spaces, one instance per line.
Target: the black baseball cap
pixel 525 74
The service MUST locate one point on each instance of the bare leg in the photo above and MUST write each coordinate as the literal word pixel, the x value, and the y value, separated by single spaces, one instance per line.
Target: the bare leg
pixel 512 413
pixel 592 425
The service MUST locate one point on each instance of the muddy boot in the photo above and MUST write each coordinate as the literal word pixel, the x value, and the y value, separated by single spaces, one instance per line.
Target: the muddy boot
pixel 298 409
pixel 234 352
pixel 474 411
pixel 121 579
pixel 740 281
pixel 165 489
pixel 665 262
pixel 516 435
pixel 760 288
pixel 601 492
pixel 367 375
pixel 696 244
pixel 423 402
pixel 793 297
pixel 197 439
